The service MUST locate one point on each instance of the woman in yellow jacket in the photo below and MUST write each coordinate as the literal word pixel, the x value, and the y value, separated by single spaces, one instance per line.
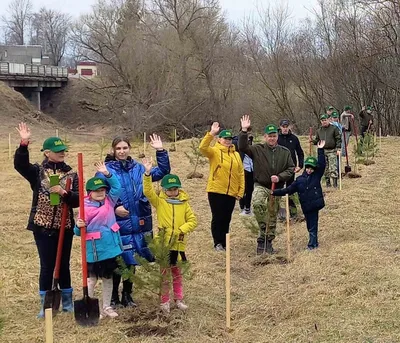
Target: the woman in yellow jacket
pixel 225 181
pixel 176 218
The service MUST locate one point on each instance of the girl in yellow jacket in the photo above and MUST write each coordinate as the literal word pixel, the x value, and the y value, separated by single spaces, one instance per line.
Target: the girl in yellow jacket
pixel 176 218
pixel 225 181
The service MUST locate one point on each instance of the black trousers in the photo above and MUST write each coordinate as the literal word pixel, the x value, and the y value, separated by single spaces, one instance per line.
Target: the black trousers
pixel 245 202
pixel 312 227
pixel 222 206
pixel 46 243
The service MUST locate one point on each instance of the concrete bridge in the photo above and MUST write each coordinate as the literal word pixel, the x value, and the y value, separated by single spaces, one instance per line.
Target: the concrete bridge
pixel 32 79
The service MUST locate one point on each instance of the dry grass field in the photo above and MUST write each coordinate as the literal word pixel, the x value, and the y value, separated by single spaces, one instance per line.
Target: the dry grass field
pixel 347 291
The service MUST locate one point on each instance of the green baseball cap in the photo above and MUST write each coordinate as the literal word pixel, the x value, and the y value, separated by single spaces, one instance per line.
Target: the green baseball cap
pixel 323 116
pixel 96 183
pixel 271 128
pixel 331 108
pixel 54 144
pixel 335 115
pixel 369 108
pixel 225 134
pixel 170 181
pixel 311 162
pixel 347 108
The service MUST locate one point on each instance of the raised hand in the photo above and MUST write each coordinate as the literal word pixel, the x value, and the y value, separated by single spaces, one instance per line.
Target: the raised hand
pixel 24 131
pixel 155 142
pixel 321 144
pixel 214 128
pixel 101 168
pixel 148 164
pixel 245 122
pixel 80 223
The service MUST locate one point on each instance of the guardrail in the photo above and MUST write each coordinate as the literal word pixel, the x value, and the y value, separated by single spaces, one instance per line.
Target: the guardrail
pixel 8 68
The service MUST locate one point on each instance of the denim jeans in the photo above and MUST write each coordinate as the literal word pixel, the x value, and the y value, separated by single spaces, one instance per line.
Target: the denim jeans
pixel 348 134
pixel 312 227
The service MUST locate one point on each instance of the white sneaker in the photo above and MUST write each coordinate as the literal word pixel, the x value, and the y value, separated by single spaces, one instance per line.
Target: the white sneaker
pixel 242 213
pixel 219 247
pixel 108 312
pixel 165 307
pixel 181 305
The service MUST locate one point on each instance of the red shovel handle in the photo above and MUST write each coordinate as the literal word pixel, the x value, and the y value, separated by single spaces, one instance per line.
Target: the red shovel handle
pixel 82 216
pixel 64 216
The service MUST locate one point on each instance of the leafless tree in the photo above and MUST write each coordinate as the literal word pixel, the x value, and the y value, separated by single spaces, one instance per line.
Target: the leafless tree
pixel 16 21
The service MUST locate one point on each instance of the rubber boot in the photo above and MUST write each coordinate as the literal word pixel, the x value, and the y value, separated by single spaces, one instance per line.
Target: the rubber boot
pixel 335 185
pixel 42 295
pixel 126 299
pixel 115 297
pixel 269 249
pixel 328 182
pixel 260 247
pixel 66 298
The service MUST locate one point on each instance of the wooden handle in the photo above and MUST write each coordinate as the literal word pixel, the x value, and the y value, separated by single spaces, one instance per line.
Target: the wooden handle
pixel 289 252
pixel 82 216
pixel 64 216
pixel 48 317
pixel 228 281
pixel 340 171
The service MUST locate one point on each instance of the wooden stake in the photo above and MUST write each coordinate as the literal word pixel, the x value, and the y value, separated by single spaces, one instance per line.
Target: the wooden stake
pixel 57 133
pixel 175 140
pixel 289 252
pixel 228 281
pixel 310 137
pixel 9 146
pixel 340 171
pixel 144 143
pixel 48 315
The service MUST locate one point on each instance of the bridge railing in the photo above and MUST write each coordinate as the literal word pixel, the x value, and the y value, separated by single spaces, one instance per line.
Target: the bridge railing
pixel 8 68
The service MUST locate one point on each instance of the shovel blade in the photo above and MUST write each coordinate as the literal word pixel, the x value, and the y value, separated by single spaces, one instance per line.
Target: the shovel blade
pixel 87 312
pixel 52 299
pixel 347 169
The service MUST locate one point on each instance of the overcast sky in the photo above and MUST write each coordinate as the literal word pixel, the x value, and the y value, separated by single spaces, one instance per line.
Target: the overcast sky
pixel 235 9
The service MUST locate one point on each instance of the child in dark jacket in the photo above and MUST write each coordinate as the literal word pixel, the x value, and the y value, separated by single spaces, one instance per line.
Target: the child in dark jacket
pixel 308 187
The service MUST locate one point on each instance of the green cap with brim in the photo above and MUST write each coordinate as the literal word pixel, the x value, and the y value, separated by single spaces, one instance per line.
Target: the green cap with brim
pixel 54 144
pixel 335 115
pixel 170 181
pixel 271 128
pixel 369 108
pixel 331 108
pixel 95 183
pixel 225 134
pixel 323 116
pixel 347 108
pixel 310 162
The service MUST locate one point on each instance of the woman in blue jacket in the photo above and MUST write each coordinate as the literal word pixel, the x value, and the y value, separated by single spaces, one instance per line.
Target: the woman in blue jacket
pixel 308 186
pixel 133 210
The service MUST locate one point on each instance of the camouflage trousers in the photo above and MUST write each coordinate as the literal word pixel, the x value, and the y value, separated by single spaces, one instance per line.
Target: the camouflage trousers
pixel 331 170
pixel 265 212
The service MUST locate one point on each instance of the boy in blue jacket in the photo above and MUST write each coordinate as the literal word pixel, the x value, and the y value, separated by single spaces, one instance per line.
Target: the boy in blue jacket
pixel 308 187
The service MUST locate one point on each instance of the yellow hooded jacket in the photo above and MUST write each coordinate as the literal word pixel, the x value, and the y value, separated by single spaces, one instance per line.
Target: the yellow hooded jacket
pixel 226 168
pixel 175 216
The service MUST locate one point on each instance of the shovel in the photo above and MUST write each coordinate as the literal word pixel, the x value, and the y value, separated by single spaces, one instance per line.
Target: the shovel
pixel 347 168
pixel 52 298
pixel 86 310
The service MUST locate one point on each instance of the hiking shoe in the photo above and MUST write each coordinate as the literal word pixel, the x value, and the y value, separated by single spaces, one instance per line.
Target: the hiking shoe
pixel 127 300
pixel 181 305
pixel 108 312
pixel 219 247
pixel 165 308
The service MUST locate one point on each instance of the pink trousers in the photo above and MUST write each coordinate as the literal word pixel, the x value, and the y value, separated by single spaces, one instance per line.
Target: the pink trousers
pixel 177 283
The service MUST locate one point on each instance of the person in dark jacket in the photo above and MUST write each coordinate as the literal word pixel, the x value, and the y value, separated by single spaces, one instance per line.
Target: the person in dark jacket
pixel 287 139
pixel 367 120
pixel 245 202
pixel 45 219
pixel 333 142
pixel 273 164
pixel 308 187
pixel 133 210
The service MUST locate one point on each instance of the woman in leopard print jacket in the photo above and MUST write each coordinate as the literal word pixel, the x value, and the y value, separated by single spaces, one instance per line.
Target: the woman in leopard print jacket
pixel 45 219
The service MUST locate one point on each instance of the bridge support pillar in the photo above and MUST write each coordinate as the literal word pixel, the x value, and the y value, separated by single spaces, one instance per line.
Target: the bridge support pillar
pixel 35 97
